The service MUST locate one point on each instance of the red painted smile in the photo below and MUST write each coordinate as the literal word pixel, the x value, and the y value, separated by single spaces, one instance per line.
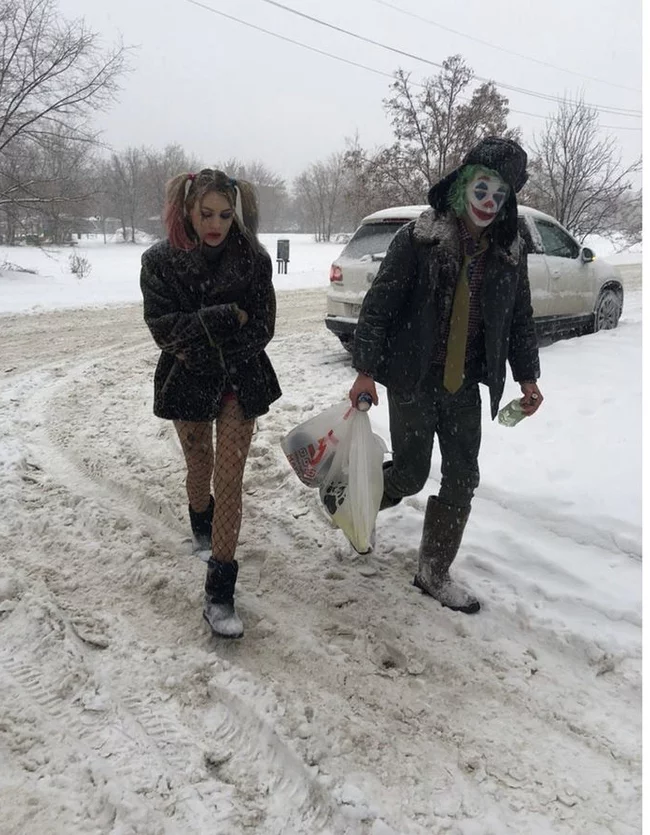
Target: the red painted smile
pixel 482 215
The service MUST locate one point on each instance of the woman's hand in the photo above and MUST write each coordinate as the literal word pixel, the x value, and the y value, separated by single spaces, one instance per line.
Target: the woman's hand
pixel 363 384
pixel 242 316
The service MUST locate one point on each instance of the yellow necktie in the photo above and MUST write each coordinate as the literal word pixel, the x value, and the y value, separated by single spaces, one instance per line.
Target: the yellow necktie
pixel 458 327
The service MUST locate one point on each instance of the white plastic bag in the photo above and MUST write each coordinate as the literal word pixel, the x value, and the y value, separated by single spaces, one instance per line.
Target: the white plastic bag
pixel 310 447
pixel 338 452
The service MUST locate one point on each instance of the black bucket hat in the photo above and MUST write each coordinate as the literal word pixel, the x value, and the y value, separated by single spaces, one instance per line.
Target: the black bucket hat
pixel 508 159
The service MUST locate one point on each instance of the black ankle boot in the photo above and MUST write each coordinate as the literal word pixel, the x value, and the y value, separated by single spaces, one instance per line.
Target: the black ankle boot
pixel 219 604
pixel 201 524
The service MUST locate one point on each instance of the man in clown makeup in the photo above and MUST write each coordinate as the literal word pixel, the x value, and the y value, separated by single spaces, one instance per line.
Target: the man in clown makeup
pixel 449 305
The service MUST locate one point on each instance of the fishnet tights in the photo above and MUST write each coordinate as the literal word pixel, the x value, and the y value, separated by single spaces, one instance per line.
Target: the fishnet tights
pixel 233 439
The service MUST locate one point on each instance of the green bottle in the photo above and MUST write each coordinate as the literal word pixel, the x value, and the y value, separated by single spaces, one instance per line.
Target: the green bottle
pixel 511 414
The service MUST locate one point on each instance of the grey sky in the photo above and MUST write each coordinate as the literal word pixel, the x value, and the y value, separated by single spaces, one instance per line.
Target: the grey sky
pixel 221 89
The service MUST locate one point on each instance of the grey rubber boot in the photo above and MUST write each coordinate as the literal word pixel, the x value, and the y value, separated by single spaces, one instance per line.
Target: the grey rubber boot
pixel 219 604
pixel 442 533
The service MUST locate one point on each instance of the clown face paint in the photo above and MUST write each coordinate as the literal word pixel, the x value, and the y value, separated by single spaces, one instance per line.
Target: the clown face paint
pixel 485 196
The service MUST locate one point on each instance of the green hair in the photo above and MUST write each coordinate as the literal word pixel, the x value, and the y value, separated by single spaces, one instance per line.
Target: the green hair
pixel 457 198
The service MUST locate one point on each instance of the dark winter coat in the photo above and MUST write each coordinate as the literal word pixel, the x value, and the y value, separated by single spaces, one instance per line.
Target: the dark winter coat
pixel 403 312
pixel 191 301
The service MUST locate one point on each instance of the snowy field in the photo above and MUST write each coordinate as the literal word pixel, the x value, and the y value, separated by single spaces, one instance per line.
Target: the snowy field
pixel 353 705
pixel 115 270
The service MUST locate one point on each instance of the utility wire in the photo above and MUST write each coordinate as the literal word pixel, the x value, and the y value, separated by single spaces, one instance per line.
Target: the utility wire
pixel 288 40
pixel 353 63
pixel 502 48
pixel 615 110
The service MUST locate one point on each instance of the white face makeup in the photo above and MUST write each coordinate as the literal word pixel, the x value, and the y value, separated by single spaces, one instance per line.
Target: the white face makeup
pixel 485 197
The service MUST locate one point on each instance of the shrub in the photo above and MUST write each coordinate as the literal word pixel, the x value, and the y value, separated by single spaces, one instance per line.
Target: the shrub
pixel 79 265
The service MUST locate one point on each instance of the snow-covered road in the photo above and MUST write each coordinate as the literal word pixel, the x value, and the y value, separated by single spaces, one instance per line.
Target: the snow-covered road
pixel 353 704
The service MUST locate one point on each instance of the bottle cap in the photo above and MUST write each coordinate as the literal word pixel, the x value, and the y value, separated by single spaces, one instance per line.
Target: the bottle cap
pixel 364 401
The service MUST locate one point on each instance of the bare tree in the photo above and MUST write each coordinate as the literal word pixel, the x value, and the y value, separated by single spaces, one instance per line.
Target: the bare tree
pixel 319 192
pixel 100 182
pixel 485 114
pixel 576 172
pixel 131 184
pixel 159 167
pixel 361 193
pixel 271 189
pixel 15 170
pixel 629 221
pixel 433 127
pixel 53 77
pixel 376 179
pixel 255 171
pixel 61 169
pixel 127 188
pixel 436 127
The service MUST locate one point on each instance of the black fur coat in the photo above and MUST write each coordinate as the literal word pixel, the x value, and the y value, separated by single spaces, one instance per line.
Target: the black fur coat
pixel 191 302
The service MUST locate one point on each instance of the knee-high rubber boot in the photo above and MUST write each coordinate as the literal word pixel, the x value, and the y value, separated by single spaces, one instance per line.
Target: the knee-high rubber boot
pixel 442 533
pixel 219 604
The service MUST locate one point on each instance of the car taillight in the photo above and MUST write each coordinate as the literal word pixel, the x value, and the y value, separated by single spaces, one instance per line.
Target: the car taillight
pixel 336 273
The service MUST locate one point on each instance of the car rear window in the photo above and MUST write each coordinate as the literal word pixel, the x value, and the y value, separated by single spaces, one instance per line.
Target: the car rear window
pixel 372 239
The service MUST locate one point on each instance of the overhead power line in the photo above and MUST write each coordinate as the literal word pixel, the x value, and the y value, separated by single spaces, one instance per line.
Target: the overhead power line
pixel 287 39
pixel 502 48
pixel 615 110
pixel 348 61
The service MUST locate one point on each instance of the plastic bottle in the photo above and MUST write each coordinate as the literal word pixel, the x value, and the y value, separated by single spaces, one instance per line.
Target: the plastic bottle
pixel 511 414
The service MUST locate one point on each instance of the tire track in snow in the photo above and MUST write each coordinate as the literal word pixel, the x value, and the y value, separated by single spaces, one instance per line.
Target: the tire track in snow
pixel 144 747
pixel 294 792
pixel 55 443
pixel 267 475
pixel 445 681
pixel 240 774
pixel 134 765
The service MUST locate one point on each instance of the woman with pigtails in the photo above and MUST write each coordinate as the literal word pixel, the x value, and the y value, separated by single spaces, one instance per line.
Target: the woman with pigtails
pixel 210 306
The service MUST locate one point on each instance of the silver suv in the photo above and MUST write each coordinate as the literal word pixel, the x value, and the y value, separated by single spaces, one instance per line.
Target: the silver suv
pixel 572 292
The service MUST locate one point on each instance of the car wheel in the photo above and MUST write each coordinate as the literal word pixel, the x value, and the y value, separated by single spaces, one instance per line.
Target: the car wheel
pixel 608 311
